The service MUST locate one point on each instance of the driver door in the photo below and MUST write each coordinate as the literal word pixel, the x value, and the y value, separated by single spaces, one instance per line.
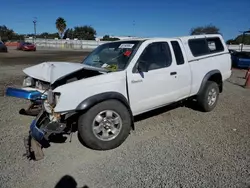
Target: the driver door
pixel 153 85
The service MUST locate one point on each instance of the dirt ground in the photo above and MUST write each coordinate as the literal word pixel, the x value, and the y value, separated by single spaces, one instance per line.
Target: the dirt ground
pixel 170 147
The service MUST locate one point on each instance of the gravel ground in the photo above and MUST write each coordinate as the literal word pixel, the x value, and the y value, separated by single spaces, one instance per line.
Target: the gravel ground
pixel 170 147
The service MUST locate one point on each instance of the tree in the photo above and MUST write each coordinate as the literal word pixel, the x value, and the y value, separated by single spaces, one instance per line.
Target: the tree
pixel 208 29
pixel 84 32
pixel 47 35
pixel 105 37
pixel 69 33
pixel 108 38
pixel 6 33
pixel 17 37
pixel 43 35
pixel 246 41
pixel 231 41
pixel 61 26
pixel 238 40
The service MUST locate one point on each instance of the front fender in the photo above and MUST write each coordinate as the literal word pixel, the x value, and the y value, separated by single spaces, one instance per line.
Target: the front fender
pixel 74 93
pixel 95 99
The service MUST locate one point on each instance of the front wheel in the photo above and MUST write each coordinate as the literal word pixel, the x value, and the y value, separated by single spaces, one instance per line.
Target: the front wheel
pixel 105 126
pixel 208 98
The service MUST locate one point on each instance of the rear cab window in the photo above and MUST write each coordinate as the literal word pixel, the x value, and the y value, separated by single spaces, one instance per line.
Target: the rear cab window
pixel 215 45
pixel 205 46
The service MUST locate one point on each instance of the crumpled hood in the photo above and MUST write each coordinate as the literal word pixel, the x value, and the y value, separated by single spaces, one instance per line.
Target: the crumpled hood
pixel 51 71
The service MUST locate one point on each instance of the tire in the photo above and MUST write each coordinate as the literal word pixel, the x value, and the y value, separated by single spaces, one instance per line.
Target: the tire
pixel 203 98
pixel 95 141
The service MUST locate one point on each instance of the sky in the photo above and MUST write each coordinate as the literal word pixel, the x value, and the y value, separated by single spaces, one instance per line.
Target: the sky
pixel 142 18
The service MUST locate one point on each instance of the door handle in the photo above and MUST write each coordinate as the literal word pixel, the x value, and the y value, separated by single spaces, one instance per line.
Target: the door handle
pixel 173 73
pixel 136 81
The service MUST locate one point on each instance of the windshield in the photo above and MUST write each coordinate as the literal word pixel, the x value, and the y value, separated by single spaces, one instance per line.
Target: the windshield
pixel 113 56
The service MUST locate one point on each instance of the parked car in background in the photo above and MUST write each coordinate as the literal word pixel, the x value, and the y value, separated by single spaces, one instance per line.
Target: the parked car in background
pixel 231 51
pixel 3 47
pixel 240 59
pixel 26 46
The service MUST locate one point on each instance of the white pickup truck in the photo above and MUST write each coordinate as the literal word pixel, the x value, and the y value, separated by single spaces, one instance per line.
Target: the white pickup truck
pixel 119 80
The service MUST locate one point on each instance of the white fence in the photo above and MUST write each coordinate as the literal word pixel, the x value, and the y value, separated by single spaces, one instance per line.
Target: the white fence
pixel 238 47
pixel 65 44
pixel 91 44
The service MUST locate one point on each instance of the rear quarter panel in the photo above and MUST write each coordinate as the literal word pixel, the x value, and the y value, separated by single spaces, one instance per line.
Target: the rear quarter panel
pixel 201 65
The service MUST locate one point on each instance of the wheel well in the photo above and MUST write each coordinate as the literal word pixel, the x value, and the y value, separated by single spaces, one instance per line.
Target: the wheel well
pixel 217 78
pixel 95 99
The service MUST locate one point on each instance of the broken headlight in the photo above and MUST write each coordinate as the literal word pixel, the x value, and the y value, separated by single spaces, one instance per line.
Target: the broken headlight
pixel 28 82
pixel 42 85
pixel 52 100
pixel 52 97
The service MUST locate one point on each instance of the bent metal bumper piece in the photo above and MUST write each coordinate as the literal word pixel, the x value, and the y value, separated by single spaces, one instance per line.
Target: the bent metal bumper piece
pixel 35 97
pixel 33 142
pixel 33 149
pixel 35 132
pixel 24 94
pixel 40 130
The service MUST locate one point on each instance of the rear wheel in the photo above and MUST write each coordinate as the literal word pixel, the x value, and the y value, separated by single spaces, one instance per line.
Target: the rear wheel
pixel 105 126
pixel 208 98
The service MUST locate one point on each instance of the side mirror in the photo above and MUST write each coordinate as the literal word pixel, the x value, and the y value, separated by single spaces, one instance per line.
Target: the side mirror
pixel 142 66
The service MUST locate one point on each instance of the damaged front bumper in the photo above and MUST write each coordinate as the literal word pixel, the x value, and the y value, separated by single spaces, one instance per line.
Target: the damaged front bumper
pixel 34 109
pixel 25 94
pixel 42 126
pixel 40 130
pixel 33 142
pixel 35 132
pixel 36 98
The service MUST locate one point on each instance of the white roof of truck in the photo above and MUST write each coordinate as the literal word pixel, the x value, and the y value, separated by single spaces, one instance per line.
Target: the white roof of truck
pixel 183 39
pixel 180 37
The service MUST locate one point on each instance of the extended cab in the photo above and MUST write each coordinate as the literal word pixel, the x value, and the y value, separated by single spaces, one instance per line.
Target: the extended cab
pixel 119 80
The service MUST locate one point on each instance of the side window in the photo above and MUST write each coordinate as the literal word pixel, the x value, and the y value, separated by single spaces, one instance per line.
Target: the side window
pixel 177 52
pixel 215 45
pixel 155 56
pixel 198 47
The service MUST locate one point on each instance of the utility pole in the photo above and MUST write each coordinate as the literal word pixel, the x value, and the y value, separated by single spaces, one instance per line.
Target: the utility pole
pixel 134 27
pixel 34 22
